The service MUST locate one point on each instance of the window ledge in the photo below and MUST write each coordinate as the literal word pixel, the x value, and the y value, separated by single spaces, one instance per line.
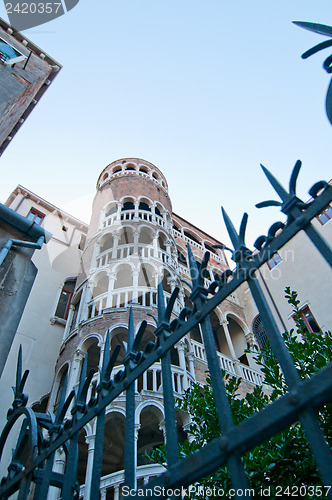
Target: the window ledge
pixel 60 321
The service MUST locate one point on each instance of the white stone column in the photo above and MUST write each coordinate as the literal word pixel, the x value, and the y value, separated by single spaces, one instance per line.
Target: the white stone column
pixel 190 357
pixel 58 466
pixel 118 212
pixel 228 339
pixel 111 281
pixel 116 492
pixel 231 348
pixel 135 285
pixel 75 368
pixel 90 441
pixel 136 238
pixel 103 494
pixel 136 204
pixel 116 239
pixel 180 346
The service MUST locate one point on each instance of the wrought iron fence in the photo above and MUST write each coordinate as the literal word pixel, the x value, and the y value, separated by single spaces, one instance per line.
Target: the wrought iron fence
pixel 31 472
pixel 31 469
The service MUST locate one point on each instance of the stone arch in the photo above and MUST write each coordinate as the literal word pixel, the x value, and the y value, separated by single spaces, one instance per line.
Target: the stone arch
pixel 125 235
pixel 124 275
pixel 110 208
pixel 119 334
pixel 100 287
pixel 150 434
pixel 146 277
pixel 236 328
pixel 59 384
pixel 106 242
pixel 113 452
pixel 146 235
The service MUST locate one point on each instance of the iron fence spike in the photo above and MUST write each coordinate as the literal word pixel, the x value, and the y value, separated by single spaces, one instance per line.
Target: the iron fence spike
pixel 235 239
pixel 275 184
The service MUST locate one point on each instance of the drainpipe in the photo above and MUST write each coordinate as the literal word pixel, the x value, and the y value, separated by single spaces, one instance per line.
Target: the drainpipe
pixel 19 243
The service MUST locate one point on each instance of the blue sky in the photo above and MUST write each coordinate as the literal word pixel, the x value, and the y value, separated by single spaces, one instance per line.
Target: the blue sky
pixel 204 90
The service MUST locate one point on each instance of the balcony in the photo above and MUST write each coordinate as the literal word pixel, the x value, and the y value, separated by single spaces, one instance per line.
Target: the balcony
pixel 125 297
pixel 125 251
pixel 130 215
pixel 230 366
pixel 112 483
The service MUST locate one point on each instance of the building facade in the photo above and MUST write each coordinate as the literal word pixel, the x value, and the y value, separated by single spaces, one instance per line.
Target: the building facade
pixel 96 273
pixel 26 72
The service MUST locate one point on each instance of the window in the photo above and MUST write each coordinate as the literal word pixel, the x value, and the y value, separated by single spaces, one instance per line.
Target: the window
pixel 35 216
pixel 9 55
pixel 258 330
pixel 65 299
pixel 274 261
pixel 325 215
pixel 309 320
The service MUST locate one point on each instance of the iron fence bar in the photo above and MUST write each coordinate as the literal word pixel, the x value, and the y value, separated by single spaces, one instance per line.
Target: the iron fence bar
pixel 253 431
pixel 41 490
pixel 225 419
pixel 172 448
pixel 71 470
pixel 224 413
pixel 97 456
pixel 130 441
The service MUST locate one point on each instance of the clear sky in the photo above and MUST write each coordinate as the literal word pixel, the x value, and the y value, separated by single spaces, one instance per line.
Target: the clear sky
pixel 205 90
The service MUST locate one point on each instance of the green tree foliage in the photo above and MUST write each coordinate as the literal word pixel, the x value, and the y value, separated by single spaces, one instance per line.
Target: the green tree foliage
pixel 285 459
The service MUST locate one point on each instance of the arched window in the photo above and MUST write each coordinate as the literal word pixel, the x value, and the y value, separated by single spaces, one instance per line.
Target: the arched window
pixel 128 205
pixel 60 387
pixel 258 330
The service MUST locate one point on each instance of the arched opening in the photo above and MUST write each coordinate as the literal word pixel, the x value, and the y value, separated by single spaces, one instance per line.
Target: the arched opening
pixel 195 333
pixel 143 170
pixel 119 335
pixel 219 335
pixel 130 167
pixel 162 241
pixel 113 451
pixel 124 277
pixel 146 276
pixel 150 436
pixel 128 205
pixel 192 237
pixel 60 381
pixel 106 243
pixel 117 170
pixel 111 209
pixel 210 249
pixel 144 206
pixel 126 236
pixel 145 236
pixel 101 286
pixel 238 339
pixel 181 258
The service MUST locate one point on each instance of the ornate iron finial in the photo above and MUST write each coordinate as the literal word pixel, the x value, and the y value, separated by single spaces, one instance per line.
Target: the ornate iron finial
pixel 289 199
pixel 241 253
pixel 321 29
